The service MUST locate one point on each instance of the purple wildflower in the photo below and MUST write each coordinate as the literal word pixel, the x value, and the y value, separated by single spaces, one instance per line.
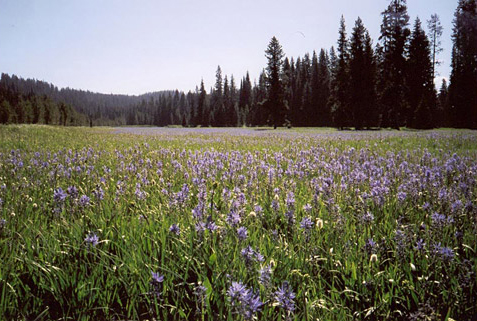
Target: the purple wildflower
pixel 265 275
pixel 211 226
pixel 290 201
pixel 250 255
pixel 258 210
pixel 156 277
pixel 156 283
pixel 290 216
pixel 367 218
pixel 175 229
pixel 233 218
pixel 92 239
pixel 72 191
pixel 84 200
pixel 401 196
pixel 200 227
pixel 440 220
pixel 3 222
pixel 200 293
pixel 242 233
pixel 306 223
pixel 236 291
pixel 370 246
pixel 420 245
pixel 246 302
pixel 284 296
pixel 99 193
pixel 446 253
pixel 59 195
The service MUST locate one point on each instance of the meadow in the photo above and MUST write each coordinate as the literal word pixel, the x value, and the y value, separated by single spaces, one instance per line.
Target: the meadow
pixel 241 224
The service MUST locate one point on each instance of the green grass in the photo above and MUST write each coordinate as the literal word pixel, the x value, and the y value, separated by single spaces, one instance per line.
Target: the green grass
pixel 49 272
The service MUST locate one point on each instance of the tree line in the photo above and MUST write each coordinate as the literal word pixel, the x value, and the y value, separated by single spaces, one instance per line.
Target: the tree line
pixel 355 85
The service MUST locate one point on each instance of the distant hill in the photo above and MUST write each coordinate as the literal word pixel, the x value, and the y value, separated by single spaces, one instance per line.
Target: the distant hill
pixel 102 109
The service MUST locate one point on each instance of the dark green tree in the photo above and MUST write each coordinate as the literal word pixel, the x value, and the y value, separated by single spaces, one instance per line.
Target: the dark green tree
pixel 275 103
pixel 394 36
pixel 421 92
pixel 361 77
pixel 463 78
pixel 442 106
pixel 233 102
pixel 245 100
pixel 201 117
pixel 217 100
pixel 340 94
pixel 323 115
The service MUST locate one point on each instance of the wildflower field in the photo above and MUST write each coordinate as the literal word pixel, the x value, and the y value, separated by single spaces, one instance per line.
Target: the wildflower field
pixel 211 224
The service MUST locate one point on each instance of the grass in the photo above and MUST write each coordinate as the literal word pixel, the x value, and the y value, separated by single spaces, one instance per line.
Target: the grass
pixel 393 235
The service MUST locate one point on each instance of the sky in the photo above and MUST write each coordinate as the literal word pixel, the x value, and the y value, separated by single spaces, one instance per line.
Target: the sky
pixel 138 46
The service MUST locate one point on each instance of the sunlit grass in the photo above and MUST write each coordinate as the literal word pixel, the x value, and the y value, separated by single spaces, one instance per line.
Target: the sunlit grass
pixel 384 186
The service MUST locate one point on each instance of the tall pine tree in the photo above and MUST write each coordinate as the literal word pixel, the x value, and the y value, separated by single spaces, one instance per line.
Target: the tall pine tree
pixel 394 36
pixel 463 79
pixel 361 77
pixel 340 94
pixel 275 102
pixel 421 92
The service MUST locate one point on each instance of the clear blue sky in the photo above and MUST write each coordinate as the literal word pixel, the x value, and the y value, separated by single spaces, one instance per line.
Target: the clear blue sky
pixel 135 46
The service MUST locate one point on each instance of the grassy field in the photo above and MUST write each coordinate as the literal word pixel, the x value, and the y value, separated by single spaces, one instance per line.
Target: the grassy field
pixel 210 224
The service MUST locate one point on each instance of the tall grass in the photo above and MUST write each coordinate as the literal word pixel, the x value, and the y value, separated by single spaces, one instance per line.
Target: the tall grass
pixel 378 225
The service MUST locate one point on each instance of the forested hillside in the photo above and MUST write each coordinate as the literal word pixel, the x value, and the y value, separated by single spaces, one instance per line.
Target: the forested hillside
pixel 359 84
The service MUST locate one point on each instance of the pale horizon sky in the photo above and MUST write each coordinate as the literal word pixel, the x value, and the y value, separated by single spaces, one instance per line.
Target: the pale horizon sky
pixel 134 47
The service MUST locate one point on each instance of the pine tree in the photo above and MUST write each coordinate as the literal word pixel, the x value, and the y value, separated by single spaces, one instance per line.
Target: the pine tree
pixel 442 105
pixel 227 104
pixel 233 102
pixel 323 115
pixel 435 33
pixel 315 91
pixel 217 103
pixel 245 100
pixel 202 117
pixel 287 79
pixel 369 77
pixel 463 79
pixel 275 103
pixel 394 35
pixel 340 94
pixel 362 77
pixel 421 92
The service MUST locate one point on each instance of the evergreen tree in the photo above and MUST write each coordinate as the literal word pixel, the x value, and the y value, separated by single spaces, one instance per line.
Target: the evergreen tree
pixel 275 103
pixel 442 105
pixel 287 79
pixel 217 102
pixel 421 92
pixel 323 115
pixel 315 90
pixel 228 107
pixel 361 77
pixel 340 94
pixel 260 93
pixel 394 35
pixel 463 78
pixel 201 106
pixel 435 33
pixel 233 102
